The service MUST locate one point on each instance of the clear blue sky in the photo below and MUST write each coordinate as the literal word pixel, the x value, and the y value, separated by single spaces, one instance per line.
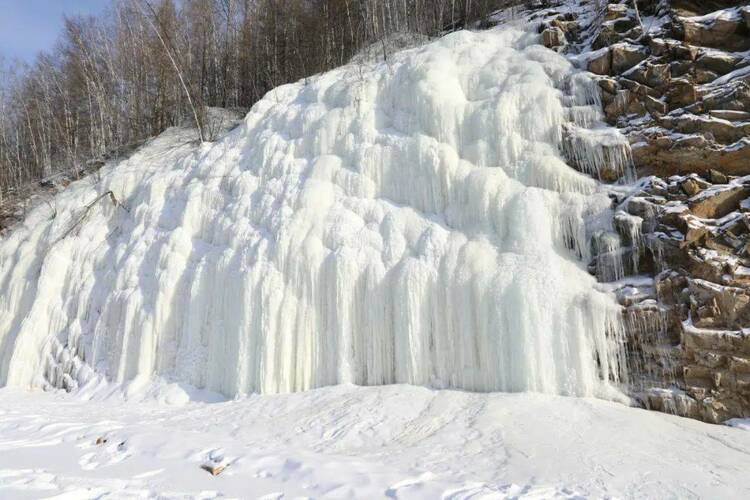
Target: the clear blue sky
pixel 30 26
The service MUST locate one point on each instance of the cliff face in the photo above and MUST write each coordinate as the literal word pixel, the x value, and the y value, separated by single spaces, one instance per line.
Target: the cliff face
pixel 675 78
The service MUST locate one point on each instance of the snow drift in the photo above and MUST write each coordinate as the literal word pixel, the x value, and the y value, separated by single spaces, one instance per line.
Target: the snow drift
pixel 411 221
pixel 387 442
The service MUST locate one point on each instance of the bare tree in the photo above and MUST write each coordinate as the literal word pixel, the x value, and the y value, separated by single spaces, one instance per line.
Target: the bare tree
pixel 113 81
pixel 157 25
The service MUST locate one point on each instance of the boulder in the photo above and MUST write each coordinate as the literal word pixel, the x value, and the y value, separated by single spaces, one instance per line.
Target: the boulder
pixel 565 26
pixel 625 56
pixel 719 306
pixel 639 89
pixel 636 107
pixel 213 468
pixel 676 215
pixel 658 46
pixel 681 93
pixel 735 96
pixel 691 186
pixel 652 75
pixel 717 62
pixel 715 340
pixel 717 177
pixel 690 141
pixel 704 76
pixel 725 30
pixel 615 11
pixel 685 52
pixel 641 207
pixel 553 38
pixel 655 106
pixel 722 131
pixel 691 154
pixel 678 69
pixel 607 36
pixel 601 62
pixel 694 234
pixel 717 202
pixel 608 85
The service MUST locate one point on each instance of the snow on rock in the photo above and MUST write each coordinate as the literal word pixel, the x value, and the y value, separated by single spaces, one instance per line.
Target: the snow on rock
pixel 411 221
pixel 740 423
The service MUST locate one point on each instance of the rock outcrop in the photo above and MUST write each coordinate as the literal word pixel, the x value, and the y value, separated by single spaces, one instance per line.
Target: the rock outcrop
pixel 689 328
pixel 674 76
pixel 680 88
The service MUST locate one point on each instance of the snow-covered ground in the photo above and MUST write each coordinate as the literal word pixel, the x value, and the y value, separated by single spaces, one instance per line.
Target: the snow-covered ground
pixel 345 441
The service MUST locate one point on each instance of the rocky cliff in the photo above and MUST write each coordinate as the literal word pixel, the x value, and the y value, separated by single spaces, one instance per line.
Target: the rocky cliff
pixel 675 78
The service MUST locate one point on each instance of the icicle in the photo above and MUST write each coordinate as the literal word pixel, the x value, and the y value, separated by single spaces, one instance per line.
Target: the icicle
pixel 608 251
pixel 413 222
pixel 647 323
pixel 587 141
pixel 631 226
pixel 596 151
pixel 655 243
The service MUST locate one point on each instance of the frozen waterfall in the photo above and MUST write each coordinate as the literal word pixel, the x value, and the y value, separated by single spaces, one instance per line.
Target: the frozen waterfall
pixel 411 221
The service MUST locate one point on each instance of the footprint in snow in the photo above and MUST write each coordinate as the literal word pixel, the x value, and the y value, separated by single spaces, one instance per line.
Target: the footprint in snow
pixel 411 485
pixel 107 452
pixel 277 495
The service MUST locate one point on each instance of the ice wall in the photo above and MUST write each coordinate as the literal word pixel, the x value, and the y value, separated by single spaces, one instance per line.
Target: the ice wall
pixel 411 221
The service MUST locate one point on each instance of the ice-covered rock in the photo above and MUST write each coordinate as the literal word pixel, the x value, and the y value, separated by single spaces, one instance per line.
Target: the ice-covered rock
pixel 404 221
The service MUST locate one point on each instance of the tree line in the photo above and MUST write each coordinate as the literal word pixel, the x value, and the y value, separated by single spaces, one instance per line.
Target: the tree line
pixel 144 65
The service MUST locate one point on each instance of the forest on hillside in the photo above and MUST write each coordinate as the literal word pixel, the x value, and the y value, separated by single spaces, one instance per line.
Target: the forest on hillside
pixel 145 65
